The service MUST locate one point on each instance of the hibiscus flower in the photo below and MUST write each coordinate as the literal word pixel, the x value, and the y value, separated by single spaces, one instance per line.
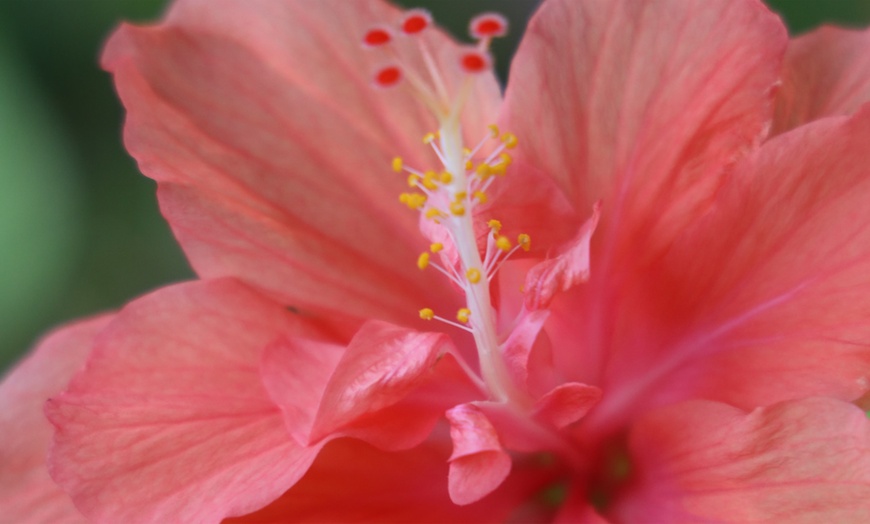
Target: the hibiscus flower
pixel 633 290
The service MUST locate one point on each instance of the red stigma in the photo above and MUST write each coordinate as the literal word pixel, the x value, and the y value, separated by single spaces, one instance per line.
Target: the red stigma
pixel 388 76
pixel 488 25
pixel 377 36
pixel 474 62
pixel 415 21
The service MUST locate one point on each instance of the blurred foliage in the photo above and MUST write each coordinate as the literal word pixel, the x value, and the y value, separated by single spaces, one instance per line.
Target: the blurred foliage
pixel 80 231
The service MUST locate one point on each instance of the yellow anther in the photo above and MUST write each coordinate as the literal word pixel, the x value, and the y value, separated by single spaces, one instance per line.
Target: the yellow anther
pixel 413 200
pixel 429 180
pixel 463 314
pixel 404 198
pixel 412 180
pixel 457 208
pixel 460 195
pixel 499 169
pixel 506 159
pixel 525 241
pixel 503 243
pixel 433 213
pixel 480 196
pixel 436 247
pixel 446 177
pixel 423 261
pixel 493 130
pixel 427 314
pixel 483 171
pixel 510 140
pixel 428 138
pixel 495 225
pixel 473 275
pixel 398 164
pixel 469 165
pixel 466 151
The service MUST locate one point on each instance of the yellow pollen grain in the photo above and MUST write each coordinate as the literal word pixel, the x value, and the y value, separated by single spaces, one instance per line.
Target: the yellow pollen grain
pixel 473 275
pixel 480 196
pixel 433 213
pixel 469 165
pixel 427 314
pixel 499 169
pixel 429 180
pixel 460 195
pixel 436 247
pixel 428 138
pixel 495 225
pixel 463 314
pixel 412 180
pixel 510 140
pixel 398 164
pixel 457 208
pixel 506 159
pixel 483 171
pixel 503 243
pixel 446 177
pixel 525 241
pixel 493 130
pixel 423 261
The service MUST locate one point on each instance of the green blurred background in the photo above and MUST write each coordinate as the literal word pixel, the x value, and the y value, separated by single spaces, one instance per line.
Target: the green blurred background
pixel 80 231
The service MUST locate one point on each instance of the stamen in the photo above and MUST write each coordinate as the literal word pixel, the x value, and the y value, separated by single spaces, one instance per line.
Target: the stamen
pixel 397 164
pixel 480 196
pixel 415 21
pixel 473 275
pixel 503 243
pixel 488 25
pixel 525 241
pixel 495 225
pixel 457 208
pixel 436 247
pixel 427 314
pixel 463 314
pixel 423 261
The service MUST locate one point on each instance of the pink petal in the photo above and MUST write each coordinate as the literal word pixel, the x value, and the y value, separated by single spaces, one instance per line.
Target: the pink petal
pixel 776 281
pixel 27 493
pixel 518 347
pixel 562 271
pixel 826 73
pixel 766 298
pixel 641 105
pixel 353 482
pixel 169 421
pixel 803 461
pixel 273 150
pixel 567 403
pixel 478 464
pixel 384 387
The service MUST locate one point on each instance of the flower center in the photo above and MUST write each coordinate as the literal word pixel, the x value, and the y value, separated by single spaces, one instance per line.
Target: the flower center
pixel 449 195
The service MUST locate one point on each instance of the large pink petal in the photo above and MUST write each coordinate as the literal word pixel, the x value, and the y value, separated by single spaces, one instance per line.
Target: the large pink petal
pixel 389 386
pixel 354 482
pixel 766 298
pixel 802 461
pixel 272 149
pixel 641 105
pixel 27 493
pixel 169 421
pixel 826 73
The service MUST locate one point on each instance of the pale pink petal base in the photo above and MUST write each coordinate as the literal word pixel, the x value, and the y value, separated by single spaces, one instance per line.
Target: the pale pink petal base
pixel 801 462
pixel 170 422
pixel 27 493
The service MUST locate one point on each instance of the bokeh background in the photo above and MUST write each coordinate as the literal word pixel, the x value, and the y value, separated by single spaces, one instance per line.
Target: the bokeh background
pixel 80 231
